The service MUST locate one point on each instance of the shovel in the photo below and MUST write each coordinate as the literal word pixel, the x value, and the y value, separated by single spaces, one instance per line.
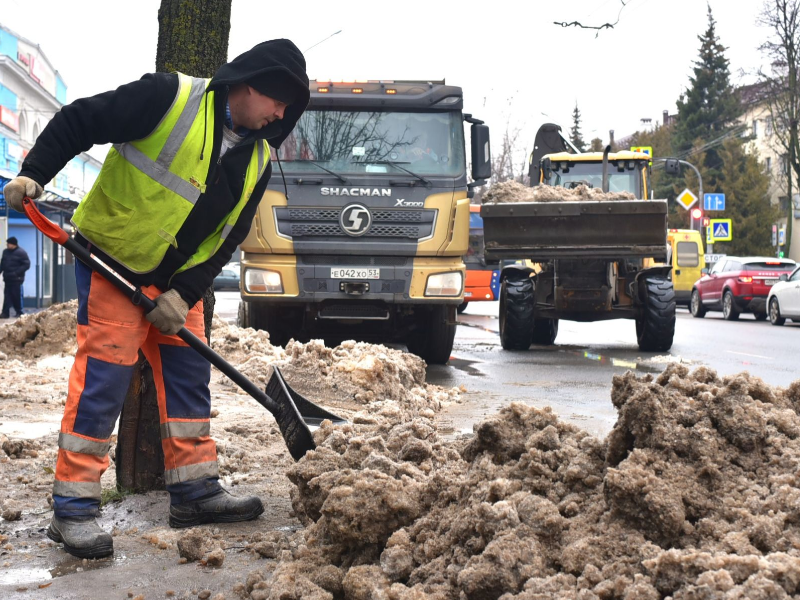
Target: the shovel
pixel 293 412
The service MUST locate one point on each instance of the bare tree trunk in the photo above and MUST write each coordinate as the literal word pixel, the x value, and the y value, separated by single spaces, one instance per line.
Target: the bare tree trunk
pixel 192 39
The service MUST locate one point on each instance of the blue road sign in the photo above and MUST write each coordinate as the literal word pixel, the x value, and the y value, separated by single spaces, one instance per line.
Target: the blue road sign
pixel 720 230
pixel 714 201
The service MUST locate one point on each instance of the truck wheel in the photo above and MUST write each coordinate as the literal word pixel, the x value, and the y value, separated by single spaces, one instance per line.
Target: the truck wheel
pixel 775 313
pixel 433 341
pixel 265 318
pixel 655 327
pixel 462 307
pixel 696 305
pixel 516 313
pixel 545 331
pixel 729 311
pixel 759 316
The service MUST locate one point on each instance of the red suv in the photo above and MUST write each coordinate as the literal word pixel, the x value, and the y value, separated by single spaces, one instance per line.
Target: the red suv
pixel 735 285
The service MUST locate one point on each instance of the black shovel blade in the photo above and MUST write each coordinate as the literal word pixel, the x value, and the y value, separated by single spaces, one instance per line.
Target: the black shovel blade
pixel 294 430
pixel 312 414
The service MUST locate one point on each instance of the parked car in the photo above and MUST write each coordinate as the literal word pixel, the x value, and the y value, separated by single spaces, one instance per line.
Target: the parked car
pixel 784 299
pixel 738 285
pixel 228 278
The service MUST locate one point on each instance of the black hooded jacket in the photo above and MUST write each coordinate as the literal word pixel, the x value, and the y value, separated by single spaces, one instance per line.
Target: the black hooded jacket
pixel 133 111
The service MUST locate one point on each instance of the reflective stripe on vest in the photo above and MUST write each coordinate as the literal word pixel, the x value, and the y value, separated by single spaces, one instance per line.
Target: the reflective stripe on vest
pixel 147 188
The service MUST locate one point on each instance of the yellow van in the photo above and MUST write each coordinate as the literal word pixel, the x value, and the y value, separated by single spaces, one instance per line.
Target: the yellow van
pixel 687 257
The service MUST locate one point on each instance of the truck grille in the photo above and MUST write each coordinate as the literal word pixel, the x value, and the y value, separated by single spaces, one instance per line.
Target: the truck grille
pixel 386 223
pixel 358 261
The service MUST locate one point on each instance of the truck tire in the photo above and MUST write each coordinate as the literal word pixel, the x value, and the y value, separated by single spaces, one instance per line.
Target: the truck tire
pixel 433 340
pixel 696 305
pixel 545 331
pixel 265 318
pixel 516 313
pixel 462 307
pixel 729 312
pixel 655 327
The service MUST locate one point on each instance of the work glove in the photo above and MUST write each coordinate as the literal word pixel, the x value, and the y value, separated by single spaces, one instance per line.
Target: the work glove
pixel 18 188
pixel 170 312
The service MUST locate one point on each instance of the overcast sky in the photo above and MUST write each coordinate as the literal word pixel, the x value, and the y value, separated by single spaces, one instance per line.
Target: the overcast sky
pixel 514 64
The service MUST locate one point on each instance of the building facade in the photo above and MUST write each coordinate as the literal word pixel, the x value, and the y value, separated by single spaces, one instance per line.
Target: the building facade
pixel 31 92
pixel 761 130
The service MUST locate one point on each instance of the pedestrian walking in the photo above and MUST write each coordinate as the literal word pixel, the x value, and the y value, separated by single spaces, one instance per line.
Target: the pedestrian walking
pixel 176 195
pixel 13 265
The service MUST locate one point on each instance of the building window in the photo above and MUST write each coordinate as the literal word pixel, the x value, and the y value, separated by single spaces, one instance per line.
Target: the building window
pixel 755 127
pixel 768 165
pixel 768 126
pixel 784 164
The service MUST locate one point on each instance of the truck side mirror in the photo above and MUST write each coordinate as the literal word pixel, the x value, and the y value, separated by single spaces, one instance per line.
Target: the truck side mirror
pixel 547 167
pixel 672 166
pixel 481 154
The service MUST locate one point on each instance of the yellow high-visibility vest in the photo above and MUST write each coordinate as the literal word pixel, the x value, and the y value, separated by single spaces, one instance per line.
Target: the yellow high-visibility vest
pixel 147 188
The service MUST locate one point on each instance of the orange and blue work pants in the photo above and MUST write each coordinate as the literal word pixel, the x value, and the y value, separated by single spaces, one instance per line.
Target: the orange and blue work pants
pixel 111 331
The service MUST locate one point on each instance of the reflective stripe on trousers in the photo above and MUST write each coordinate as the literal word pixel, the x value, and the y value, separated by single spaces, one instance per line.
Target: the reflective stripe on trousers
pixel 111 331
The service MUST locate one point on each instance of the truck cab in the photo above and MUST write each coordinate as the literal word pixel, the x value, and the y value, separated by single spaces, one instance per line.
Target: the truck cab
pixel 363 236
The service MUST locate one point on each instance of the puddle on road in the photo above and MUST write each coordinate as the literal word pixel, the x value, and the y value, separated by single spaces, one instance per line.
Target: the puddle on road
pixel 465 365
pixel 33 576
pixel 615 362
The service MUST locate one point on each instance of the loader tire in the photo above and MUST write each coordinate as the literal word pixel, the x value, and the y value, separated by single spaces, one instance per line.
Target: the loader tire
pixel 433 340
pixel 545 331
pixel 655 327
pixel 516 313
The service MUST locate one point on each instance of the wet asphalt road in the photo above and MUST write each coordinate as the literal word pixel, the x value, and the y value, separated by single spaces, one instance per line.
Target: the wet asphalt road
pixel 574 375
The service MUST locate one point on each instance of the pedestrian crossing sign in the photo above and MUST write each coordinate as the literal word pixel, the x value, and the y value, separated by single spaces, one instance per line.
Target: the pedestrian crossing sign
pixel 720 230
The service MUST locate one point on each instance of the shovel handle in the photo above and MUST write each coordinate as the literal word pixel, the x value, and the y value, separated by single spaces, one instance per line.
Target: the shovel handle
pixel 135 294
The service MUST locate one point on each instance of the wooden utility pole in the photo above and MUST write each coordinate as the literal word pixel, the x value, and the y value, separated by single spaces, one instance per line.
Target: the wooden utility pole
pixel 192 39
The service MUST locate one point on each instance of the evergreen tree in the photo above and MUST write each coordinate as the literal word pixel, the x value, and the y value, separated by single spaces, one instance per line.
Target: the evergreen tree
pixel 596 145
pixel 575 135
pixel 709 106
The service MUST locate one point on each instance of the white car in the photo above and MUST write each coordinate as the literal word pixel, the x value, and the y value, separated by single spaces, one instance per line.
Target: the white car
pixel 783 301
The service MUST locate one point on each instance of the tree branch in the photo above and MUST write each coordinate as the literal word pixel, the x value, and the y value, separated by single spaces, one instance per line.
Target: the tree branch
pixel 599 28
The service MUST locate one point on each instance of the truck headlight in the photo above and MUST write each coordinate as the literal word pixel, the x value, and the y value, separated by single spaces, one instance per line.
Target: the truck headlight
pixel 264 282
pixel 445 284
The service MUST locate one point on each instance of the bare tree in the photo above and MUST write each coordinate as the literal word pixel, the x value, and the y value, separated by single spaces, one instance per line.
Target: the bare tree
pixel 503 162
pixel 779 87
pixel 193 39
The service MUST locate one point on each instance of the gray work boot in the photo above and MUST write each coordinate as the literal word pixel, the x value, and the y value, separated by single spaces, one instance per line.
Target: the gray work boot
pixel 81 536
pixel 219 507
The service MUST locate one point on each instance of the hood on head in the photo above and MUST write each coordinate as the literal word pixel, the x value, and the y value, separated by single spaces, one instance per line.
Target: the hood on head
pixel 281 58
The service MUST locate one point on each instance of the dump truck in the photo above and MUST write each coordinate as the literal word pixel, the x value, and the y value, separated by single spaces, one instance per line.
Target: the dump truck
pixel 599 259
pixel 363 236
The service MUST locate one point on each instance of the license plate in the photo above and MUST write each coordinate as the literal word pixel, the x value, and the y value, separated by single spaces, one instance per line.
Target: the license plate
pixel 467 294
pixel 770 281
pixel 355 273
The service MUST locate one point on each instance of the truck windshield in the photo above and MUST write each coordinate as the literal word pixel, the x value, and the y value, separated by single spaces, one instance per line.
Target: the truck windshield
pixel 358 142
pixel 591 174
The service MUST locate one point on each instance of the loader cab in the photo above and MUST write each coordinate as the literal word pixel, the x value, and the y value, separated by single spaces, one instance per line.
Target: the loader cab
pixel 626 171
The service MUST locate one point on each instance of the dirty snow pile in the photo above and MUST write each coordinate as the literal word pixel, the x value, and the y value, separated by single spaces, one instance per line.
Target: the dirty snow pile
pixel 512 191
pixel 46 333
pixel 694 495
pixel 355 372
